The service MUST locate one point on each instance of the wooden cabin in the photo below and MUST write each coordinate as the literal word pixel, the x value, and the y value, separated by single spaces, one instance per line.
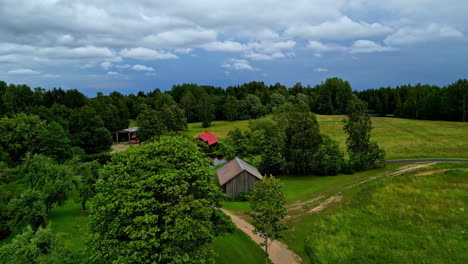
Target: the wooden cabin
pixel 237 176
pixel 208 138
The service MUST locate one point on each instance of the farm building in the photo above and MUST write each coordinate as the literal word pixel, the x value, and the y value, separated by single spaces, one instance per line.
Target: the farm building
pixel 237 176
pixel 209 138
pixel 125 134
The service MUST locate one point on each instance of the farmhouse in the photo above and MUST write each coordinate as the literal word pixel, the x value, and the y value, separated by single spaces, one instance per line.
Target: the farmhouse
pixel 209 138
pixel 237 176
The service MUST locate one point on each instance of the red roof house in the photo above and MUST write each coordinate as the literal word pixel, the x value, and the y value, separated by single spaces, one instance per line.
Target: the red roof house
pixel 209 138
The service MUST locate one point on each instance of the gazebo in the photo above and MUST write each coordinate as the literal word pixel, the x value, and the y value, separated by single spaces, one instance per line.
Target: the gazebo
pixel 125 134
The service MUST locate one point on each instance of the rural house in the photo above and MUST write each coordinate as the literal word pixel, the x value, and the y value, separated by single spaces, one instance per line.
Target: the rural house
pixel 209 138
pixel 237 176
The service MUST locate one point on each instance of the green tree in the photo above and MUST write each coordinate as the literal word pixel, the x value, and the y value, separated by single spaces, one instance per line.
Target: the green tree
pixel 55 142
pixel 87 131
pixel 301 133
pixel 27 209
pixel 19 135
pixel 205 109
pixel 363 153
pixel 156 204
pixel 231 108
pixel 37 247
pixel 151 124
pixel 251 107
pixel 173 117
pixel 51 179
pixel 329 159
pixel 89 174
pixel 267 210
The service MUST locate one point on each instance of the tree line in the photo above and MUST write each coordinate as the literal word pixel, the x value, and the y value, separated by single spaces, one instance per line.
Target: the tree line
pixel 419 101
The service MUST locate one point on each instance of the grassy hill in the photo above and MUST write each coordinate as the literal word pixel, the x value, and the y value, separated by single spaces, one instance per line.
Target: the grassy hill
pixel 407 214
pixel 401 138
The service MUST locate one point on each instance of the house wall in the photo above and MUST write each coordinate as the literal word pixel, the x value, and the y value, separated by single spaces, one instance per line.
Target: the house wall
pixel 241 183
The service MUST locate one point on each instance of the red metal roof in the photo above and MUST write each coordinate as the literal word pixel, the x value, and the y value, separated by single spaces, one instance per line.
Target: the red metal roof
pixel 208 138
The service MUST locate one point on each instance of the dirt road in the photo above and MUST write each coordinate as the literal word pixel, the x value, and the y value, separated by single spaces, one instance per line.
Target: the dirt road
pixel 278 252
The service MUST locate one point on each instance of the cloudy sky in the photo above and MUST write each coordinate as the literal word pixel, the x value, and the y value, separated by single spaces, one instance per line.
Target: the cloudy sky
pixel 97 45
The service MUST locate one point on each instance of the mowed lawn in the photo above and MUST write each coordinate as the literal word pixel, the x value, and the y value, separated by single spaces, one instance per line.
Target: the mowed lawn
pixel 400 138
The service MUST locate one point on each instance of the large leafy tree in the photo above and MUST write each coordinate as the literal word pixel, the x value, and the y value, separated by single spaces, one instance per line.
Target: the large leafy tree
pixel 156 204
pixel 19 135
pixel 28 209
pixel 88 132
pixel 151 124
pixel 302 135
pixel 267 210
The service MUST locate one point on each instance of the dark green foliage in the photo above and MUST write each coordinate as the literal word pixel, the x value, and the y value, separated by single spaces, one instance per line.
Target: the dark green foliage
pixel 55 142
pixel 231 108
pixel 334 96
pixel 88 132
pixel 27 209
pixel 205 109
pixel 242 197
pixel 112 109
pixel 363 154
pixel 173 118
pixel 156 203
pixel 329 159
pixel 37 247
pixel 267 210
pixel 89 174
pixel 251 107
pixel 151 124
pixel 19 135
pixel 302 135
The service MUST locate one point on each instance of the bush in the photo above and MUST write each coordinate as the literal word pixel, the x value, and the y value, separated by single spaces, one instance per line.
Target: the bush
pixel 242 197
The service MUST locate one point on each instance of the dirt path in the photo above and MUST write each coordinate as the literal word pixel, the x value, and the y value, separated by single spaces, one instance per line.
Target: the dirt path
pixel 423 160
pixel 278 252
pixel 121 147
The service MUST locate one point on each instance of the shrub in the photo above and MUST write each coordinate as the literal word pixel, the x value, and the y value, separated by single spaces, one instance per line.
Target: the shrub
pixel 242 197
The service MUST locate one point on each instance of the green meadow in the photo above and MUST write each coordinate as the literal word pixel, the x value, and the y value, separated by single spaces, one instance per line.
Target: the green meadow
pixel 415 217
pixel 400 138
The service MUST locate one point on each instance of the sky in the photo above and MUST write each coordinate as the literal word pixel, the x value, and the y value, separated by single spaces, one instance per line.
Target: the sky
pixel 130 46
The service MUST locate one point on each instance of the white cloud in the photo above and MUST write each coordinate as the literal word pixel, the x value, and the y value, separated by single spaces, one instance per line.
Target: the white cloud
pixel 106 65
pixel 139 67
pixel 339 29
pixel 23 72
pixel 229 46
pixel 51 76
pixel 146 54
pixel 320 47
pixel 238 64
pixel 112 73
pixel 87 66
pixel 320 69
pixel 368 46
pixel 410 35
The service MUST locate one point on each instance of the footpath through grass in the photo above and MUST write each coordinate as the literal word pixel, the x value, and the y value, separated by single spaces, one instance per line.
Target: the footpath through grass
pixel 400 138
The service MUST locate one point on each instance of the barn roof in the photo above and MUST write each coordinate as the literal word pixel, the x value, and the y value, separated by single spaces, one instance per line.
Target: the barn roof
pixel 208 138
pixel 233 168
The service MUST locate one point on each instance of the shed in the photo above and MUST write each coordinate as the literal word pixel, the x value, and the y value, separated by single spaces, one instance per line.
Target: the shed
pixel 125 134
pixel 237 176
pixel 209 138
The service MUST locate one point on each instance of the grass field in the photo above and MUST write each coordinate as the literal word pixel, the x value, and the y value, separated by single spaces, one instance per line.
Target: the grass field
pixel 400 138
pixel 410 218
pixel 403 219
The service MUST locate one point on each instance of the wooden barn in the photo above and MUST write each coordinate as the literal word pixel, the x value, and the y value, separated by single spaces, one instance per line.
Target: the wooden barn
pixel 237 176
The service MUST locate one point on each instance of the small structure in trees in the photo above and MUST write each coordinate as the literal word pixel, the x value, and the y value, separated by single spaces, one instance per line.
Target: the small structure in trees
pixel 125 134
pixel 237 176
pixel 209 138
